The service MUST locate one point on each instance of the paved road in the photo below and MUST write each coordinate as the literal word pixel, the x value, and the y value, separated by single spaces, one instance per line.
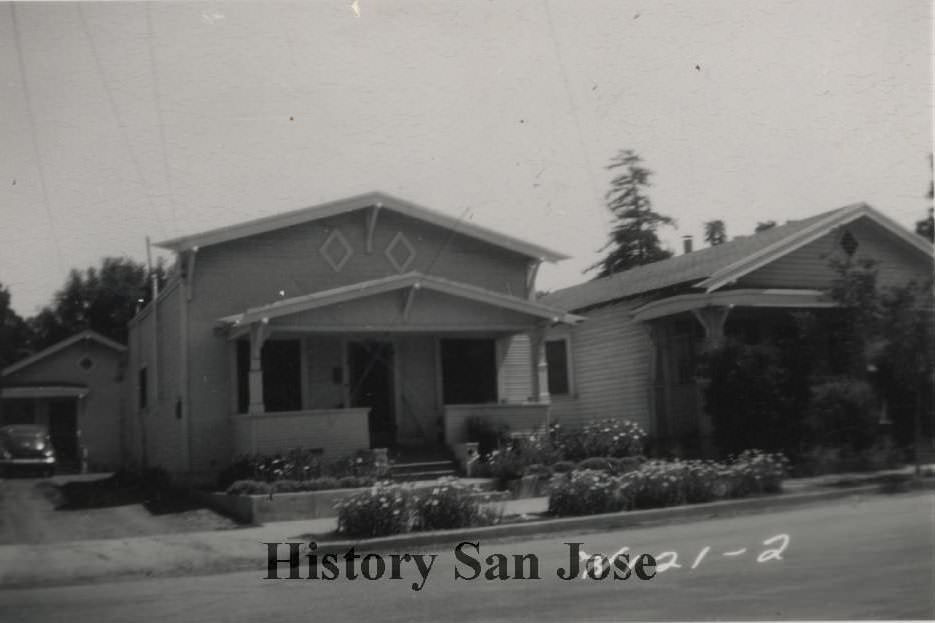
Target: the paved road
pixel 869 557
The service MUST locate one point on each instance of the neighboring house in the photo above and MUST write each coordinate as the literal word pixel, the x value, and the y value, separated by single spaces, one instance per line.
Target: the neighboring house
pixel 634 357
pixel 366 322
pixel 74 388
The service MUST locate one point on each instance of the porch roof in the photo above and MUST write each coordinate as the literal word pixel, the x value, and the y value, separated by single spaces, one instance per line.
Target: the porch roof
pixel 413 281
pixel 733 298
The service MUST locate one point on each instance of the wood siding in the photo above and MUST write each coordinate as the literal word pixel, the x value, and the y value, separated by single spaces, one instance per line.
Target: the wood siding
pixel 611 357
pixel 514 374
pixel 338 432
pixel 809 266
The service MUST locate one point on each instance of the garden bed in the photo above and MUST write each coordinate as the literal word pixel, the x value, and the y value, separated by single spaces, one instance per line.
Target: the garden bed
pixel 257 509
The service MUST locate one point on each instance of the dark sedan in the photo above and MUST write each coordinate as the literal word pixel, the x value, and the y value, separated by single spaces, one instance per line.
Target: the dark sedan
pixel 27 447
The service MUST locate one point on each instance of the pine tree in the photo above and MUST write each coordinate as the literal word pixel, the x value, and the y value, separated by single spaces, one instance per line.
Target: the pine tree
pixel 633 240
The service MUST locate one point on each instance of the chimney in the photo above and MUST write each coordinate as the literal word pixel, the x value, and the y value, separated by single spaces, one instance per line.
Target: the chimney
pixel 687 244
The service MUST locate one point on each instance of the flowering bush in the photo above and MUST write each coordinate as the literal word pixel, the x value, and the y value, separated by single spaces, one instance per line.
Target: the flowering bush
pixel 656 484
pixel 449 505
pixel 387 509
pixel 610 438
pixel 300 464
pixel 383 510
pixel 761 472
pixel 259 487
pixel 585 492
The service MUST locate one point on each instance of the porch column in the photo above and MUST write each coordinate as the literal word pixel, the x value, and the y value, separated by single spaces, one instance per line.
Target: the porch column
pixel 258 333
pixel 538 368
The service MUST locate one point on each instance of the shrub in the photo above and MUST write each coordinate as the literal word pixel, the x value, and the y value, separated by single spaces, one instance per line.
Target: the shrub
pixel 562 467
pixel 606 438
pixel 380 511
pixel 450 505
pixel 488 436
pixel 598 464
pixel 763 471
pixel 657 484
pixel 542 472
pixel 299 464
pixel 841 415
pixel 588 492
pixel 504 465
pixel 258 487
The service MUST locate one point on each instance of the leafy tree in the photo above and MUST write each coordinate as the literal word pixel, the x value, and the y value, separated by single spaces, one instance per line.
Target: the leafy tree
pixel 14 336
pixel 715 232
pixel 14 332
pixel 633 240
pixel 926 227
pixel 763 226
pixel 103 299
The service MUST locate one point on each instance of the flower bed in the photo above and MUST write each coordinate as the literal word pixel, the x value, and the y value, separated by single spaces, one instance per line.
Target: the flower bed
pixel 658 484
pixel 389 509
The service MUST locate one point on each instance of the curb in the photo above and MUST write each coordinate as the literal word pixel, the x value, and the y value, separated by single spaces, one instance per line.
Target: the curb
pixel 589 523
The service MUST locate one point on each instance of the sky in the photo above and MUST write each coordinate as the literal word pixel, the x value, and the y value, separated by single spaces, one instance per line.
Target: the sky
pixel 120 121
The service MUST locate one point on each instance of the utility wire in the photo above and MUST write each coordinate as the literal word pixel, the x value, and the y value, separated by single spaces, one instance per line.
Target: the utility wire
pixel 121 126
pixel 27 95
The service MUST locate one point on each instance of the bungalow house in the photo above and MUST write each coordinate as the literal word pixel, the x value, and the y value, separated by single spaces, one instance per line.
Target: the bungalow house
pixel 74 389
pixel 634 357
pixel 365 322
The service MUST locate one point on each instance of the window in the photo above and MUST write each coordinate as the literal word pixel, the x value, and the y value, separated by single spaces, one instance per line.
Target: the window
pixel 143 387
pixel 282 375
pixel 469 371
pixel 85 363
pixel 556 356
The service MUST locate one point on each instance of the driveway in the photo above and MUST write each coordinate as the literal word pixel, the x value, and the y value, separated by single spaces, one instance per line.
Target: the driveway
pixel 28 515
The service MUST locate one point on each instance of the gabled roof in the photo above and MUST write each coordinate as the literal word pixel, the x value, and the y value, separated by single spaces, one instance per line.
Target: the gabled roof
pixel 59 346
pixel 373 287
pixel 714 267
pixel 359 202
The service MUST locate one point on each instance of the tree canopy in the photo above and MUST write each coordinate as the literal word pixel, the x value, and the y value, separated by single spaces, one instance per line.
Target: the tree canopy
pixel 715 232
pixel 633 240
pixel 103 299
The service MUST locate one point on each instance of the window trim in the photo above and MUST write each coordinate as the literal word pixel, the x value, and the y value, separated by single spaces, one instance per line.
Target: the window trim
pixel 569 365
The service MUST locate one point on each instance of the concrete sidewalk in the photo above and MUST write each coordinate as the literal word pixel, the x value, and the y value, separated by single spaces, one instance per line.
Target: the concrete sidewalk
pixel 238 549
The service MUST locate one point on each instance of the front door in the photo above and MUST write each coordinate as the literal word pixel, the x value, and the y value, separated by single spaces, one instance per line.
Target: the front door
pixel 370 364
pixel 63 428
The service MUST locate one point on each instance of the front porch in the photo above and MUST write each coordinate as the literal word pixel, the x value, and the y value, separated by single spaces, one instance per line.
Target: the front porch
pixel 403 369
pixel 682 329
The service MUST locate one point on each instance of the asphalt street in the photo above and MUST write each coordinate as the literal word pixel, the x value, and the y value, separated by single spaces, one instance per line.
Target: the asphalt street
pixel 856 558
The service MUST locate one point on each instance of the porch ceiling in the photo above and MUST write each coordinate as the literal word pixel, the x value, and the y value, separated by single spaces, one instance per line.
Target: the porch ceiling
pixel 370 304
pixel 733 298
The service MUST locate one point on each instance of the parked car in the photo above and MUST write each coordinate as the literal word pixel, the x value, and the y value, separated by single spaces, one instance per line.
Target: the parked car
pixel 28 447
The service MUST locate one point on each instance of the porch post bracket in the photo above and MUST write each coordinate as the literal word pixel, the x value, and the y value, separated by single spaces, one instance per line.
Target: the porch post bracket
pixel 712 318
pixel 372 225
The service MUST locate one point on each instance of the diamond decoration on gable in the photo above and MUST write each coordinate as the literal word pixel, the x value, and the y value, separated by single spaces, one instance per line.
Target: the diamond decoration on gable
pixel 400 252
pixel 336 250
pixel 849 243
